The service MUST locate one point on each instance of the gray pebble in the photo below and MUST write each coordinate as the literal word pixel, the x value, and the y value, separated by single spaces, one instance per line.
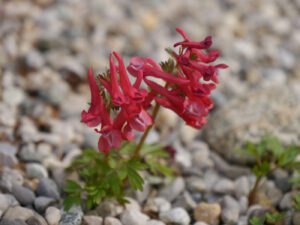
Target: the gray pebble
pixel 52 215
pixel 48 188
pixel 111 221
pixel 177 216
pixel 134 217
pixel 71 219
pixel 230 210
pixel 24 195
pixel 171 191
pixel 224 186
pixel 7 154
pixel 36 170
pixel 41 203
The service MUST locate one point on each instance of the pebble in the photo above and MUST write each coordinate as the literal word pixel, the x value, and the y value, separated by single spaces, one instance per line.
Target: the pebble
pixel 36 220
pixel 230 210
pixel 185 201
pixel 175 216
pixel 92 220
pixel 134 217
pixel 24 195
pixel 18 212
pixel 3 203
pixel 287 201
pixel 28 153
pixel 41 203
pixel 12 222
pixel 109 208
pixel 111 221
pixel 224 186
pixel 7 154
pixel 157 204
pixel 155 222
pixel 171 191
pixel 241 187
pixel 52 215
pixel 71 218
pixel 296 218
pixel 36 170
pixel 48 188
pixel 11 200
pixel 13 96
pixel 209 213
pixel 10 177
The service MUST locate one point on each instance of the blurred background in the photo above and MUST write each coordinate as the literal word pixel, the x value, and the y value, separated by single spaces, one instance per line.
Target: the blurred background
pixel 48 45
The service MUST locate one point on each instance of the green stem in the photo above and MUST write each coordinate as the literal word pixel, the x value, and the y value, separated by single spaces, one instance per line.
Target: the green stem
pixel 251 198
pixel 140 144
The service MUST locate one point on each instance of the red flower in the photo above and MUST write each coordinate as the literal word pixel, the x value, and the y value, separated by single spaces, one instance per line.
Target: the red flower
pixel 92 118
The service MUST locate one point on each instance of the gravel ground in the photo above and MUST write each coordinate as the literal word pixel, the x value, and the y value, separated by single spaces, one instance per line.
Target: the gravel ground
pixel 46 47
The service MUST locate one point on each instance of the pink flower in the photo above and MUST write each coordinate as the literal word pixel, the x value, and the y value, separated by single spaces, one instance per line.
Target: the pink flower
pixel 92 118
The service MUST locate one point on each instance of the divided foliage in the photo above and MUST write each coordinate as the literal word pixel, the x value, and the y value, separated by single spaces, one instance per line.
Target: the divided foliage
pixel 108 176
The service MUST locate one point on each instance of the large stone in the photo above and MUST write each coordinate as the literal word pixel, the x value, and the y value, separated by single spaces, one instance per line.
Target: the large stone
pixel 71 218
pixel 272 109
pixel 18 212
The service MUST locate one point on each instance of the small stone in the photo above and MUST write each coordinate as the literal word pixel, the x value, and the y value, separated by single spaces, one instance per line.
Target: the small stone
pixel 258 211
pixel 200 223
pixel 187 134
pixel 243 202
pixel 92 220
pixel 9 222
pixel 208 213
pixel 18 212
pixel 7 154
pixel 287 201
pixel 111 221
pixel 177 216
pixel 71 218
pixel 134 217
pixel 157 205
pixel 28 153
pixel 171 191
pixel 109 208
pixel 133 204
pixel 230 210
pixel 35 60
pixel 48 188
pixel 185 201
pixel 52 215
pixel 13 96
pixel 36 220
pixel 241 187
pixel 296 218
pixel 24 195
pixel 36 170
pixel 3 203
pixel 155 222
pixel 10 177
pixel 224 186
pixel 11 200
pixel 42 203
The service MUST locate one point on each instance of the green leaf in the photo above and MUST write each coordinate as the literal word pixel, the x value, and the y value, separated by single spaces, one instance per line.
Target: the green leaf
pixel 257 221
pixel 135 163
pixel 274 145
pixel 288 156
pixel 127 147
pixel 112 162
pixel 135 180
pixel 122 172
pixel 115 183
pixel 72 186
pixel 89 202
pixel 275 217
pixel 99 196
pixel 261 170
pixel 70 200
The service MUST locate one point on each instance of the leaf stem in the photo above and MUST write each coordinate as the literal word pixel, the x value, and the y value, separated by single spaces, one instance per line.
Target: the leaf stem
pixel 253 191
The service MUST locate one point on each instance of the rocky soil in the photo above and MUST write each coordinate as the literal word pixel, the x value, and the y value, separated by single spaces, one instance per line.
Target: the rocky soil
pixel 46 47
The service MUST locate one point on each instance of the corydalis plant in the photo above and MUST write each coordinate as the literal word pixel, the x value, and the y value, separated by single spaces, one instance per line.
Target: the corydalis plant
pixel 119 107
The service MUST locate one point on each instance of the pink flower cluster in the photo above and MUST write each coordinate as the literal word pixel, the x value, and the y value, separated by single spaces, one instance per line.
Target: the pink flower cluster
pixel 186 93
